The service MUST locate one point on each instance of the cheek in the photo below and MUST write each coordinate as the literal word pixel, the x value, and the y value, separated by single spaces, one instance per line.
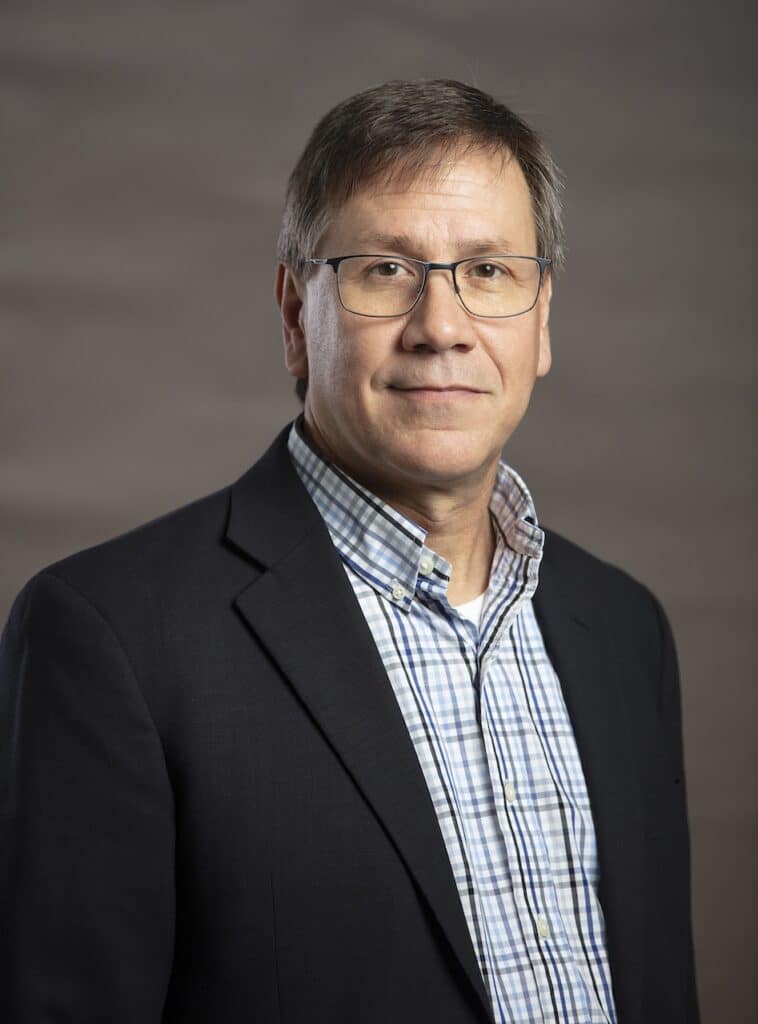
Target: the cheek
pixel 326 351
pixel 360 354
pixel 339 362
pixel 515 355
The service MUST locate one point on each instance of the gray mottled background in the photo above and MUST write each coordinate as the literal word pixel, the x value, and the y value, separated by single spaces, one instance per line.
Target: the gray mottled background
pixel 144 153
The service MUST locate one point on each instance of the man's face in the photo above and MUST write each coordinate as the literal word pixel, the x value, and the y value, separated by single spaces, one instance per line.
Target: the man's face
pixel 427 399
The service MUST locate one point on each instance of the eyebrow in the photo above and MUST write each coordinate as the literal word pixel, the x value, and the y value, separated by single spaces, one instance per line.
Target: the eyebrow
pixel 404 245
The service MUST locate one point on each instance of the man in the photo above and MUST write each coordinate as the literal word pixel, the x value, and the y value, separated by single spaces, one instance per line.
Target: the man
pixel 355 738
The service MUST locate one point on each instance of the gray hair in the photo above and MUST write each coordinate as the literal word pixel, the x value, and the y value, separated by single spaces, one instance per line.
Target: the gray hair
pixel 401 130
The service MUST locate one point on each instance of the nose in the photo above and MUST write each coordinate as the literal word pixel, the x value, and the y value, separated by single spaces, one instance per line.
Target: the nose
pixel 438 321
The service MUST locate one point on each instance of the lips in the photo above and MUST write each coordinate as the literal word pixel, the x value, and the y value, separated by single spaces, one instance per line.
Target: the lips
pixel 433 394
pixel 436 387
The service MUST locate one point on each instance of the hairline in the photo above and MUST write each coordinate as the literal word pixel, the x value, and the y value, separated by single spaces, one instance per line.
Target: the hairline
pixel 405 167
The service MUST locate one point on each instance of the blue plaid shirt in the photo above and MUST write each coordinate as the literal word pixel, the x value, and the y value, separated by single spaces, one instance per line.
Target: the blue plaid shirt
pixel 485 711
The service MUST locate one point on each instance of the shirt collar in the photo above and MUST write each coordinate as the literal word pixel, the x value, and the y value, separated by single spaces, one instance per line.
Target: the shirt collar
pixel 385 547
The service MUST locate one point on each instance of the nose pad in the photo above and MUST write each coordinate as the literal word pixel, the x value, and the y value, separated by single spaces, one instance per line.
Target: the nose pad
pixel 454 284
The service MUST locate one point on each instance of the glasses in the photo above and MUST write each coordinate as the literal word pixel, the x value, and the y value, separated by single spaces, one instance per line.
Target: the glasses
pixel 491 286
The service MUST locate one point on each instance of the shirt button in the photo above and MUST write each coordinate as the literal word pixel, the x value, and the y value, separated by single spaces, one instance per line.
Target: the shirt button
pixel 398 591
pixel 543 928
pixel 426 565
pixel 510 791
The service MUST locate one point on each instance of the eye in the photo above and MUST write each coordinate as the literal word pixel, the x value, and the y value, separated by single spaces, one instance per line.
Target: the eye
pixel 486 271
pixel 387 269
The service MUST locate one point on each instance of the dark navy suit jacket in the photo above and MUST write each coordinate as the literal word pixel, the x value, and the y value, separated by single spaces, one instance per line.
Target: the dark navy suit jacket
pixel 211 809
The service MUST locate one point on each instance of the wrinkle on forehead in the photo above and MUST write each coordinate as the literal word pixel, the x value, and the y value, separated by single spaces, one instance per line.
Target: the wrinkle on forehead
pixel 434 168
pixel 459 189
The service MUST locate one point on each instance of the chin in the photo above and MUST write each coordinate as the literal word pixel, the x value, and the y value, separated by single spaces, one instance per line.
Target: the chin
pixel 438 455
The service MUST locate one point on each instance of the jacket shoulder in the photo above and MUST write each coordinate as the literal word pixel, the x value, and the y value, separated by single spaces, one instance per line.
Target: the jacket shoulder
pixel 614 591
pixel 567 554
pixel 168 551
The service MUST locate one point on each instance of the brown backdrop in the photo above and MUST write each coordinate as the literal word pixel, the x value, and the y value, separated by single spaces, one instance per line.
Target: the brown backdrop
pixel 145 149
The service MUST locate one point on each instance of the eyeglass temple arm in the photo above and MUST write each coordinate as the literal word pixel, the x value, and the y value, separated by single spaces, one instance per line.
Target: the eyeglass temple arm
pixel 333 262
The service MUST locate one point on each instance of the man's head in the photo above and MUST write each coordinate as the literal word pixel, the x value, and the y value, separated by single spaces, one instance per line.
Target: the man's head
pixel 439 172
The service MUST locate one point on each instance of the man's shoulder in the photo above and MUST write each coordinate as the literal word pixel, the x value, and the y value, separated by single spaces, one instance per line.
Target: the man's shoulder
pixel 171 551
pixel 601 582
pixel 179 558
pixel 155 541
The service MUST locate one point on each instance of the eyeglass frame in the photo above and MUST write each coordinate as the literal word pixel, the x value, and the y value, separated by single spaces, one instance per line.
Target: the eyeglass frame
pixel 334 262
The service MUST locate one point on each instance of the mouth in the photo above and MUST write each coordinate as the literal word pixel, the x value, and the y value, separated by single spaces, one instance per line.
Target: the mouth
pixel 432 393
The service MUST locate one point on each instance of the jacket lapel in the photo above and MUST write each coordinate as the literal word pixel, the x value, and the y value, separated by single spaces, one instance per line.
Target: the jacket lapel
pixel 591 678
pixel 303 610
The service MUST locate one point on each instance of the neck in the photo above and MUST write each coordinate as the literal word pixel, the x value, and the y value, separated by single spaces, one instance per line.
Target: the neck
pixel 460 529
pixel 456 519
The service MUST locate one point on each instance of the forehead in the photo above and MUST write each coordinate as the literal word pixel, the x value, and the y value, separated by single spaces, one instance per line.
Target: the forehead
pixel 454 202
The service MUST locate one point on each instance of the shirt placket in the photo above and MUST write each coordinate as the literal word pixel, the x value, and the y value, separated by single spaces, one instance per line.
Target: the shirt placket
pixel 519 1000
pixel 517 821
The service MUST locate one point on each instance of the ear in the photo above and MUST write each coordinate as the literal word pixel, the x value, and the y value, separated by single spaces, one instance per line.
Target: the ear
pixel 290 293
pixel 544 360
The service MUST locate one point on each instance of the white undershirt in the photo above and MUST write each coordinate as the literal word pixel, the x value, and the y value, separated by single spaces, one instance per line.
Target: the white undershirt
pixel 471 609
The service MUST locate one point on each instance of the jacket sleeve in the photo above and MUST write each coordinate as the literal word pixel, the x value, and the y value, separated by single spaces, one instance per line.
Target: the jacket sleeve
pixel 671 713
pixel 86 821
